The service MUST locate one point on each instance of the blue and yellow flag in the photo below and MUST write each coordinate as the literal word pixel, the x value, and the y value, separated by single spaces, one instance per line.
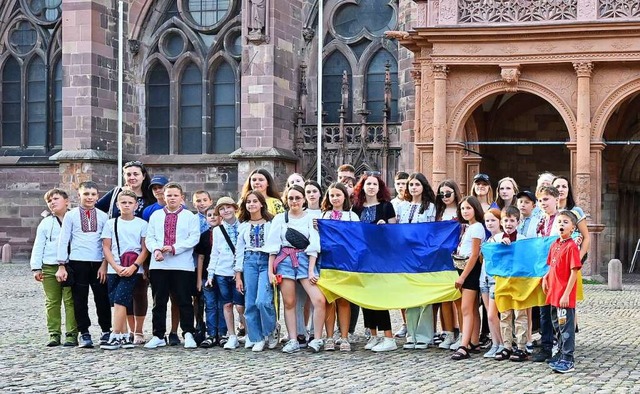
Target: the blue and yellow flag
pixel 518 269
pixel 388 266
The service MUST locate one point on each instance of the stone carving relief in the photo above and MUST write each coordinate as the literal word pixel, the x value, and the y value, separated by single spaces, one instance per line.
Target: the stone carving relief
pixel 510 75
pixel 610 9
pixel 460 84
pixel 257 20
pixel 448 11
pixel 510 11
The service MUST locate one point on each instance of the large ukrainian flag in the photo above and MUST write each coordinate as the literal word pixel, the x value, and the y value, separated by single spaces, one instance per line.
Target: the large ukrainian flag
pixel 518 269
pixel 388 266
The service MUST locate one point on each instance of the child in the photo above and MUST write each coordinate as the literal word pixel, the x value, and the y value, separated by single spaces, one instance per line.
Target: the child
pixel 528 221
pixel 400 184
pixel 559 286
pixel 124 251
pixel 261 180
pixel 81 245
pixel 548 201
pixel 214 318
pixel 171 236
pixel 201 201
pixel 157 188
pixel 252 263
pixel 337 206
pixel 44 266
pixel 510 319
pixel 469 211
pixel 220 271
pixel 487 286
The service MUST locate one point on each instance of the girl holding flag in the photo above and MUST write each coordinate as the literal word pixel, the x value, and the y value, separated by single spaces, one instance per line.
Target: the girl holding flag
pixel 419 207
pixel 337 206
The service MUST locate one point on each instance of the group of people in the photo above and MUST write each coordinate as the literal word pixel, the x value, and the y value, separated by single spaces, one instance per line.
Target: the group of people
pixel 251 254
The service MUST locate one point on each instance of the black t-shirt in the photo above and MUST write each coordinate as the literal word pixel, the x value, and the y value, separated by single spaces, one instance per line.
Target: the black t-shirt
pixel 204 248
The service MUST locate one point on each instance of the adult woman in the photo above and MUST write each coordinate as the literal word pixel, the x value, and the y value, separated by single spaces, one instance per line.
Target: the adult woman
pixel 482 190
pixel 447 200
pixel 138 181
pixel 293 261
pixel 507 190
pixel 566 201
pixel 418 207
pixel 372 204
pixel 469 212
pixel 261 181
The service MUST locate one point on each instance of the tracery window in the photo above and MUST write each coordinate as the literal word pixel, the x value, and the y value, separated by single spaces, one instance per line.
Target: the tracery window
pixel 31 78
pixel 195 54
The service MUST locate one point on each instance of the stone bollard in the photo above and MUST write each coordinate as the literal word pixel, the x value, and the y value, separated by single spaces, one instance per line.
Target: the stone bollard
pixel 6 253
pixel 614 272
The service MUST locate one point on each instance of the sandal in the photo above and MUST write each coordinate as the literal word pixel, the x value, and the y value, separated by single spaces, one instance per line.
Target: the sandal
pixel 461 355
pixel 475 348
pixel 138 338
pixel 505 354
pixel 207 343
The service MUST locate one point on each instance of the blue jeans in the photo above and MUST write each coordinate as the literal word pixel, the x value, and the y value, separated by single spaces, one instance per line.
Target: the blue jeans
pixel 227 290
pixel 259 311
pixel 546 328
pixel 216 325
pixel 564 325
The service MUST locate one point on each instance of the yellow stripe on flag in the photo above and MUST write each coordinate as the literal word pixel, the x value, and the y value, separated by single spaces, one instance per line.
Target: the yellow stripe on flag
pixel 522 293
pixel 389 291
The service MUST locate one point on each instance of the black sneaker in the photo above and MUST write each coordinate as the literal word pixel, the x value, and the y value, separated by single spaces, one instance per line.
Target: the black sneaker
pixel 541 356
pixel 113 344
pixel 85 341
pixel 127 342
pixel 302 341
pixel 104 338
pixel 174 340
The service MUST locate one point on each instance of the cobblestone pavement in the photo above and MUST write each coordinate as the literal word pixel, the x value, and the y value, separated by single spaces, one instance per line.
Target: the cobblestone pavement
pixel 607 358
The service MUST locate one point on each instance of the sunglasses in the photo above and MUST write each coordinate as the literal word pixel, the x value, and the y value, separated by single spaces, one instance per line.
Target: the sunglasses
pixel 135 163
pixel 372 173
pixel 445 195
pixel 294 198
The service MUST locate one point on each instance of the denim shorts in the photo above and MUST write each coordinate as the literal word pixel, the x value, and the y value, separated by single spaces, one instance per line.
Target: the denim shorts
pixel 228 292
pixel 288 271
pixel 487 283
pixel 121 289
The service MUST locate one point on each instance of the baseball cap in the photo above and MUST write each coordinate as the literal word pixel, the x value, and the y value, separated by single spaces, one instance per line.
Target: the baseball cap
pixel 158 180
pixel 527 194
pixel 481 178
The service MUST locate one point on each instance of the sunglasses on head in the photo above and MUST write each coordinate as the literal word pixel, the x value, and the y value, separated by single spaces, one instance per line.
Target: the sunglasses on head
pixel 135 163
pixel 372 173
pixel 445 195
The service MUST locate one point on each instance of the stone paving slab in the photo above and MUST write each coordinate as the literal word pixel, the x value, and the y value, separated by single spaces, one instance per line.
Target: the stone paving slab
pixel 607 359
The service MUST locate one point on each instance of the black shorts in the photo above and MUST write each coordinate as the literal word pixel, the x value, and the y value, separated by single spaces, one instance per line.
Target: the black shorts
pixel 472 282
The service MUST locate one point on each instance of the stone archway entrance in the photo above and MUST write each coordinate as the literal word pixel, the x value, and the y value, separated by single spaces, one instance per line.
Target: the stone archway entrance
pixel 518 135
pixel 621 186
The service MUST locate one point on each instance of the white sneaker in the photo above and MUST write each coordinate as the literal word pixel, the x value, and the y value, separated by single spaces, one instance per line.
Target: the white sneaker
pixel 272 340
pixel 454 346
pixel 257 346
pixel 402 332
pixel 387 344
pixel 316 344
pixel 492 352
pixel 353 337
pixel 449 340
pixel 292 346
pixel 373 341
pixel 421 345
pixel 232 342
pixel 155 342
pixel 247 343
pixel 409 345
pixel 189 342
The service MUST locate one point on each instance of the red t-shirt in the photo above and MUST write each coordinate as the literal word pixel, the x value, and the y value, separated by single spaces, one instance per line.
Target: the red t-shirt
pixel 564 256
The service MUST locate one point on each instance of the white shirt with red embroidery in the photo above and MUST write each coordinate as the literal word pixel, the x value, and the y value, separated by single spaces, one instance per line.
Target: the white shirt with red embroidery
pixel 187 236
pixel 83 229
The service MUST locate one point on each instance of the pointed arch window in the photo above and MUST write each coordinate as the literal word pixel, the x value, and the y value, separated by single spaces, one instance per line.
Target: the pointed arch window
pixel 11 104
pixel 57 104
pixel 375 86
pixel 36 104
pixel 224 109
pixel 190 127
pixel 158 110
pixel 332 74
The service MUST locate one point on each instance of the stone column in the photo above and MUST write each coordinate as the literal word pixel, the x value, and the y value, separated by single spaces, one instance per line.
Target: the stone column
pixel 582 180
pixel 439 123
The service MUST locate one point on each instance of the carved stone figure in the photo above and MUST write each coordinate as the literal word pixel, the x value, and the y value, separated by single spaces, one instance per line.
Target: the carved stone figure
pixel 257 16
